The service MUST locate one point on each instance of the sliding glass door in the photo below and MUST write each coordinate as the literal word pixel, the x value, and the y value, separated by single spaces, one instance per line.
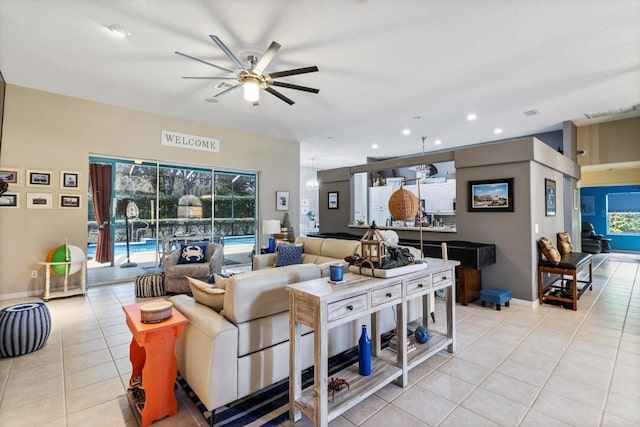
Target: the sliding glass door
pixel 155 207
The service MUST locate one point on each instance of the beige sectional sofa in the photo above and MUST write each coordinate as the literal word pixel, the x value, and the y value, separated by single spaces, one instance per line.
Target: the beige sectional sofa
pixel 244 347
pixel 322 252
pixel 227 355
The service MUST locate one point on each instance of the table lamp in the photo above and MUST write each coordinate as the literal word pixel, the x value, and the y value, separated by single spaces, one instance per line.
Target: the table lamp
pixel 271 226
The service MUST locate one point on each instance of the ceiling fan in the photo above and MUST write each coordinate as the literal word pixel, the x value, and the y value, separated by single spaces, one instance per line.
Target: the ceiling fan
pixel 252 76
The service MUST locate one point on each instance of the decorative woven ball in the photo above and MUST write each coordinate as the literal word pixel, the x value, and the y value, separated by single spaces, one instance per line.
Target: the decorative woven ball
pixel 422 335
pixel 403 205
pixel 65 253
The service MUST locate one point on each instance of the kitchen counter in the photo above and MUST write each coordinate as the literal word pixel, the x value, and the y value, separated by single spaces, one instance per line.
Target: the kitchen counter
pixel 444 229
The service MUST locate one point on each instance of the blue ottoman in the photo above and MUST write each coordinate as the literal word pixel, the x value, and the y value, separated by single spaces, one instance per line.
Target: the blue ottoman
pixel 495 296
pixel 24 328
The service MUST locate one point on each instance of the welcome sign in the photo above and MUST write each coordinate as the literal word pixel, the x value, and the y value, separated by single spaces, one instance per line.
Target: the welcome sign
pixel 192 142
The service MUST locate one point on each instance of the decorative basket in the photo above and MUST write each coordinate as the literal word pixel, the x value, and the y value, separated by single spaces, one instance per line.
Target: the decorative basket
pixel 403 205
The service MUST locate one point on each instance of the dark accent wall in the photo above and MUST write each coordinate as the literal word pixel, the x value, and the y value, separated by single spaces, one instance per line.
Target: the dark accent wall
pixel 598 217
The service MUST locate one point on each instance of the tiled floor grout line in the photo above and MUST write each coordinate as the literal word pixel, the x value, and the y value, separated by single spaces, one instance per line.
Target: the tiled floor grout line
pixel 615 359
pixel 577 329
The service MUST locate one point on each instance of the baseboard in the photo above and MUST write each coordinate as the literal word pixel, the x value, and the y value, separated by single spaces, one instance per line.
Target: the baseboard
pixel 525 303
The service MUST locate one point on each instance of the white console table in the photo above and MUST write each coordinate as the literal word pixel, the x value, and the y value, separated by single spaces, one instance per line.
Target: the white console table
pixel 323 306
pixel 66 292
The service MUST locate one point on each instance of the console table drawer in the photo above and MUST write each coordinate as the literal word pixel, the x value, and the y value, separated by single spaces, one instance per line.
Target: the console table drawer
pixel 387 294
pixel 346 307
pixel 441 278
pixel 417 285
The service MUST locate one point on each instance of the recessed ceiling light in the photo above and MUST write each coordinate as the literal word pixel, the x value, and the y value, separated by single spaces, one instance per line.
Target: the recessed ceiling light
pixel 119 30
pixel 497 131
pixel 531 112
pixel 416 117
pixel 406 132
pixel 437 142
pixel 471 117
pixel 374 146
pixel 212 100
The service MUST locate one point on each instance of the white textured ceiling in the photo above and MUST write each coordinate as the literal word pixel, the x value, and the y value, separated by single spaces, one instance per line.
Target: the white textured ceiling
pixel 382 64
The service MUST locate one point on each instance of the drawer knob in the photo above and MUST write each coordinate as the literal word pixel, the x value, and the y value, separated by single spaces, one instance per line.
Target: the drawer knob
pixel 388 294
pixel 444 277
pixel 421 285
pixel 350 307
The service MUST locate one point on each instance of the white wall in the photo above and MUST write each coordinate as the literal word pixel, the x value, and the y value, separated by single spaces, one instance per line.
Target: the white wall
pixel 52 132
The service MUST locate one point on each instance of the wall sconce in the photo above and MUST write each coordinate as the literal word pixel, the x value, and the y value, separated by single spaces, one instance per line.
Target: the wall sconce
pixel 271 226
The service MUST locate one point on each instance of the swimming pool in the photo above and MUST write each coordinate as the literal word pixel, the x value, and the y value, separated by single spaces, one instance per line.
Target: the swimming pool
pixel 149 245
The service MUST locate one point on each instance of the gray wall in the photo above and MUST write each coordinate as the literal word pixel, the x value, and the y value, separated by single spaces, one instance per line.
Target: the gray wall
pixel 526 160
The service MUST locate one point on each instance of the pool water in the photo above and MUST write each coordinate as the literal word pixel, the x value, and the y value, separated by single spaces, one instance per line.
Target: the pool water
pixel 149 245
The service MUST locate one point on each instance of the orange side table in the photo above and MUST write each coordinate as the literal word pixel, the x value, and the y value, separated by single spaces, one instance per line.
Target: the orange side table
pixel 153 360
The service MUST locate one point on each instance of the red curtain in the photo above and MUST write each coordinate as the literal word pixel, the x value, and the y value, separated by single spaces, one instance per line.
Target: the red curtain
pixel 100 176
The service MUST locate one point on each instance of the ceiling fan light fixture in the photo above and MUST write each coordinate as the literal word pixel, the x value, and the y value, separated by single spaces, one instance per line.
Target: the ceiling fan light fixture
pixel 251 90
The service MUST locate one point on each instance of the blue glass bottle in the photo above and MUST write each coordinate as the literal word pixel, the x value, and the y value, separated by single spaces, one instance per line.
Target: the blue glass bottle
pixel 364 353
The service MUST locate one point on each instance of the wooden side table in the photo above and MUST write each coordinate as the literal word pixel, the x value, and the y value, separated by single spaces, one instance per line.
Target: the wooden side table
pixel 154 364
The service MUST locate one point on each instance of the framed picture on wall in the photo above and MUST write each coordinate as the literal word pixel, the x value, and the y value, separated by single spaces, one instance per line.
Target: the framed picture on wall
pixel 70 201
pixel 39 178
pixel 10 176
pixel 491 195
pixel 549 197
pixel 332 199
pixel 69 179
pixel 9 200
pixel 282 200
pixel 39 200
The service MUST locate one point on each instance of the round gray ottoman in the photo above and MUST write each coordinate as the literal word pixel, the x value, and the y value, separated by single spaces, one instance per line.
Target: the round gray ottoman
pixel 24 328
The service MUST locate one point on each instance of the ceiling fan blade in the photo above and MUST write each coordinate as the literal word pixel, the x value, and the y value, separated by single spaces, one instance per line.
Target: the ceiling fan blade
pixel 267 57
pixel 279 74
pixel 296 87
pixel 226 91
pixel 226 51
pixel 279 95
pixel 203 62
pixel 207 78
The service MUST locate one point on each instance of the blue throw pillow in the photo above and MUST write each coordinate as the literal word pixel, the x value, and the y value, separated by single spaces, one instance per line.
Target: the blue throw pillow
pixel 288 255
pixel 193 253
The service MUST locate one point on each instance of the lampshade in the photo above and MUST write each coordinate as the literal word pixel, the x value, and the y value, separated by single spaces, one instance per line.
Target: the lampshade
pixel 403 205
pixel 271 226
pixel 251 91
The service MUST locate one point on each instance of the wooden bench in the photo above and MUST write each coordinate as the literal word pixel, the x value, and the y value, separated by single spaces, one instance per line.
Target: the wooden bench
pixel 567 291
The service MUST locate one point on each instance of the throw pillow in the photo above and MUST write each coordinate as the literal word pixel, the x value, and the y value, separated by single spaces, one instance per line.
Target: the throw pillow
pixel 220 281
pixel 288 255
pixel 564 243
pixel 549 251
pixel 193 253
pixel 206 294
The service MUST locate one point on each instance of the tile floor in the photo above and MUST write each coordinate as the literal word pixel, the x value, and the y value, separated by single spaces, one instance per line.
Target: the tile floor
pixel 516 367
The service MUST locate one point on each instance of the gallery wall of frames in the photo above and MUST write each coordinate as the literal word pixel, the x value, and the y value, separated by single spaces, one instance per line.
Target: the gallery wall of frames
pixel 42 189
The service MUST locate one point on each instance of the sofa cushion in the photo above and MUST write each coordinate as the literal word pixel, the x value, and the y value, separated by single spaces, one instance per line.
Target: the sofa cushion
pixel 289 255
pixel 312 245
pixel 339 248
pixel 549 251
pixel 206 294
pixel 199 270
pixel 192 253
pixel 260 293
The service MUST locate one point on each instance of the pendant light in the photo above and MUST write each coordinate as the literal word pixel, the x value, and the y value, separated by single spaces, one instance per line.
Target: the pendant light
pixel 312 183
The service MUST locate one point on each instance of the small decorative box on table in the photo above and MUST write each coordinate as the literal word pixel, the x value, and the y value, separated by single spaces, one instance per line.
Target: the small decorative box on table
pixel 154 363
pixel 495 296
